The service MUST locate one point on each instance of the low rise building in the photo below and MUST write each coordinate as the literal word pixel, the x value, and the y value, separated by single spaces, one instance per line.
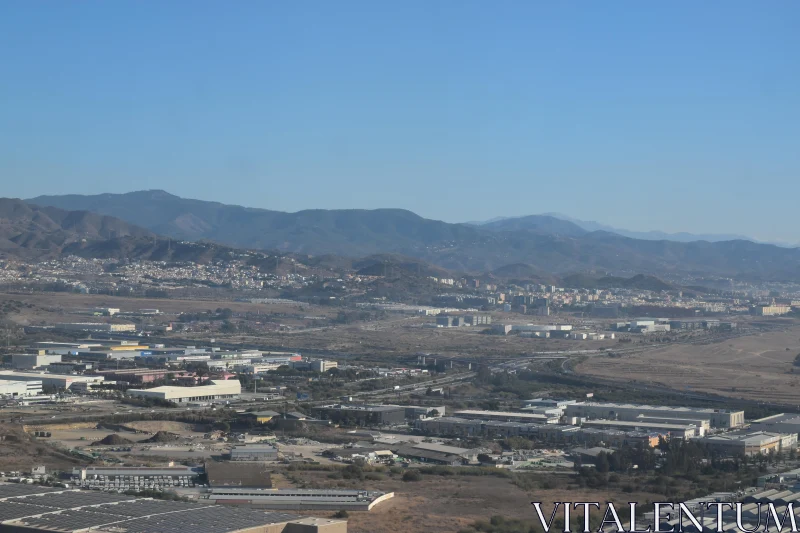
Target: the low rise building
pixel 254 452
pixel 719 418
pixel 28 361
pixel 213 390
pixel 751 442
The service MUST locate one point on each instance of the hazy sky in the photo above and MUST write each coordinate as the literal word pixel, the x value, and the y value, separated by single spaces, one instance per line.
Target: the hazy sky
pixel 679 116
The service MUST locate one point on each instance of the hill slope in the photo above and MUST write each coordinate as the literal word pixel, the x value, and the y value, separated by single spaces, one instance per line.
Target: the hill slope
pixel 31 230
pixel 545 243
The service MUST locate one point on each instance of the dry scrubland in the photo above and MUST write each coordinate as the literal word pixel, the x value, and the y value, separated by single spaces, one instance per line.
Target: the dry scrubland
pixel 451 503
pixel 60 307
pixel 755 367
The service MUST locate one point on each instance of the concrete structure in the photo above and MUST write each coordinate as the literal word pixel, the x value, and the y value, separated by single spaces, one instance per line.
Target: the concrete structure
pixel 27 361
pixel 35 509
pixel 299 499
pixel 60 381
pixel 254 452
pixel 719 418
pixel 214 390
pixel 751 442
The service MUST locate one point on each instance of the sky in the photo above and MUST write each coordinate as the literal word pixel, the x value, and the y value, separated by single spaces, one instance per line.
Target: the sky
pixel 673 116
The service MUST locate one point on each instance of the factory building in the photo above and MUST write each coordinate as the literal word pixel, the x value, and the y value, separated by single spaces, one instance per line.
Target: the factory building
pixel 323 365
pixel 29 361
pixel 508 416
pixel 679 431
pixel 16 389
pixel 60 381
pixel 214 390
pixel 780 423
pixel 771 310
pixel 254 452
pixel 35 509
pixel 719 418
pixel 364 415
pixel 751 442
pixel 95 327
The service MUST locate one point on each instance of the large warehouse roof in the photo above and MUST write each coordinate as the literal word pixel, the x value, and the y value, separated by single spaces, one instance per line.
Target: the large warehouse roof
pixel 67 511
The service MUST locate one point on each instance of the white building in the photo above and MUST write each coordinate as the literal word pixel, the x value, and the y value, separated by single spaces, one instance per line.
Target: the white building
pixel 60 381
pixel 215 390
pixel 14 389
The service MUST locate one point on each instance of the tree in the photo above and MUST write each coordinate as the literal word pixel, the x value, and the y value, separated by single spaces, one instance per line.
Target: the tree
pixel 484 458
pixel 412 475
pixel 602 465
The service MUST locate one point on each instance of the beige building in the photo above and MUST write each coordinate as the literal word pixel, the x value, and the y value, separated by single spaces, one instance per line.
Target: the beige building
pixel 215 390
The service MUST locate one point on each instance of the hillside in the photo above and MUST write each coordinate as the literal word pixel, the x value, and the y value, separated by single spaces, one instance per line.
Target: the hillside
pixel 545 243
pixel 29 230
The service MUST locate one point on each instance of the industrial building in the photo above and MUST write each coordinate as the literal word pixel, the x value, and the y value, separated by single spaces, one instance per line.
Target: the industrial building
pixel 771 310
pixel 254 452
pixel 508 416
pixel 679 431
pixel 95 327
pixel 31 361
pixel 135 478
pixel 364 415
pixel 16 389
pixel 60 381
pixel 36 509
pixel 323 365
pixel 213 390
pixel 751 442
pixel 719 418
pixel 413 412
pixel 780 423
pixel 299 499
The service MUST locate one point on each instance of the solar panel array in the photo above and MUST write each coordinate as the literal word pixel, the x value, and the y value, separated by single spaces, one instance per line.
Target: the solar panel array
pixel 10 490
pixel 71 510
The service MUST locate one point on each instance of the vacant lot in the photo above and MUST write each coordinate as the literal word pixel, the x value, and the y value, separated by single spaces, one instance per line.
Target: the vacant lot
pixel 450 503
pixel 756 367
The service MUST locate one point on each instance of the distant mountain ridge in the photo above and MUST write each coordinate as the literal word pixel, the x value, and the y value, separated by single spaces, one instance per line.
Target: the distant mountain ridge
pixel 544 242
pixel 30 230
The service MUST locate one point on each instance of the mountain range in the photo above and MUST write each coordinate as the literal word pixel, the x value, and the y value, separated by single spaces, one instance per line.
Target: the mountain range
pixel 546 243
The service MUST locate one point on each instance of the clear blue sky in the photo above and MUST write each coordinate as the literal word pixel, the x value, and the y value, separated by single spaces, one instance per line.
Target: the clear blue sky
pixel 678 116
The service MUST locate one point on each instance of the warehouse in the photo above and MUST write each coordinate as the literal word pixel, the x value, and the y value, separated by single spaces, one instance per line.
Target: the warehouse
pixel 679 431
pixel 95 327
pixel 254 452
pixel 508 416
pixel 214 390
pixel 751 442
pixel 15 389
pixel 365 415
pixel 30 361
pixel 719 418
pixel 36 509
pixel 781 423
pixel 60 381
pixel 299 499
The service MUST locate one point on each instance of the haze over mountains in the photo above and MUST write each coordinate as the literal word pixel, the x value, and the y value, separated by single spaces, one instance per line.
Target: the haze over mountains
pixel 546 243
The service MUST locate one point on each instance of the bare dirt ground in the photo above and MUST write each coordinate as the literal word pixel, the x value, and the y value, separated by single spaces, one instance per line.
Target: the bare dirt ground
pixel 60 307
pixel 755 367
pixel 451 503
